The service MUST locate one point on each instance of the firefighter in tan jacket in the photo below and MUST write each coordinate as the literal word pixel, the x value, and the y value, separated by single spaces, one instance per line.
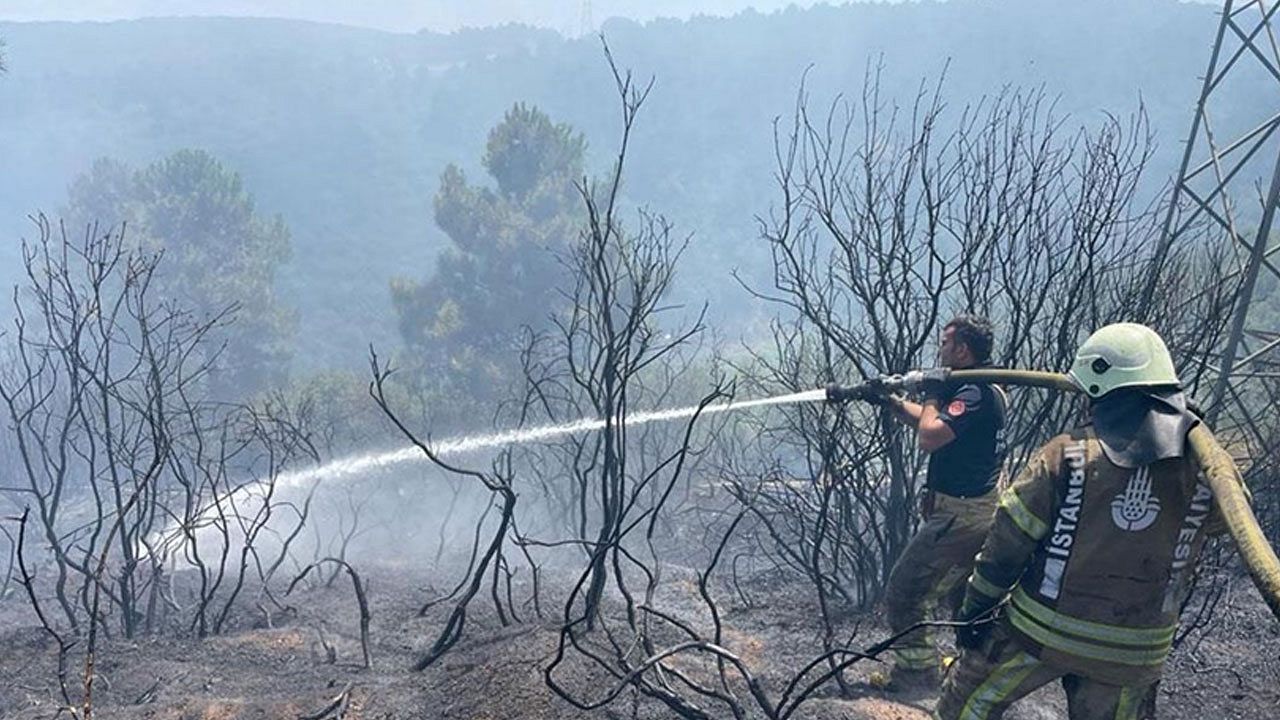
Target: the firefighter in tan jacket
pixel 1093 546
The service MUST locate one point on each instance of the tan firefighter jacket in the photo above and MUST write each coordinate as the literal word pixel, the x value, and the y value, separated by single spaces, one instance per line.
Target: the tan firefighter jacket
pixel 1095 558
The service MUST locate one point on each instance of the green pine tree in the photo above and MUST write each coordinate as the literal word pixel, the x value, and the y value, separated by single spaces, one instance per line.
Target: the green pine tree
pixel 219 253
pixel 501 272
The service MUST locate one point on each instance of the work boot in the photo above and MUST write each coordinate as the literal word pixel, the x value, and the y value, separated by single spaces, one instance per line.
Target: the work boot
pixel 905 682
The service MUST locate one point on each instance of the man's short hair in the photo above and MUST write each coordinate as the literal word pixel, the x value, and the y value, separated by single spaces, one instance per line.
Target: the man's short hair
pixel 975 332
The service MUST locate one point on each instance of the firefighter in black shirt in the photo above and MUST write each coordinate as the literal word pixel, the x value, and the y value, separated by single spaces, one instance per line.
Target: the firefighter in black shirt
pixel 960 426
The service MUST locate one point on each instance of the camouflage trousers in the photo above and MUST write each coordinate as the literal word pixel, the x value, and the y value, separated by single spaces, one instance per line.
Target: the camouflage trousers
pixel 985 682
pixel 933 570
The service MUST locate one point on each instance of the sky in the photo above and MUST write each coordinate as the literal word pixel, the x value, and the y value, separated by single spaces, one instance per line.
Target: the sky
pixel 566 16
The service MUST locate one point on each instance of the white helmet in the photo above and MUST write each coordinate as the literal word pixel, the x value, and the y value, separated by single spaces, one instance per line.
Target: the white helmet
pixel 1122 355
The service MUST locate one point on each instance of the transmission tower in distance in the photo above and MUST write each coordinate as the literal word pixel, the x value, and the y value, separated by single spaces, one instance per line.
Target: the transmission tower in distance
pixel 1230 177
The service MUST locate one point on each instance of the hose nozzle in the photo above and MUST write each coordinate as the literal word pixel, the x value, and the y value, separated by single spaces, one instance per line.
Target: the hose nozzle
pixel 884 384
pixel 837 393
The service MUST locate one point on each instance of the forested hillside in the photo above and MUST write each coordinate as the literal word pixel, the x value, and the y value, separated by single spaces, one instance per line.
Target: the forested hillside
pixel 345 132
pixel 505 373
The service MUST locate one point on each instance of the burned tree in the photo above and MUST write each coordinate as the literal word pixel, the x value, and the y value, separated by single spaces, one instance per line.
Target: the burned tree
pixel 91 371
pixel 490 560
pixel 126 466
pixel 891 219
pixel 608 354
pixel 887 225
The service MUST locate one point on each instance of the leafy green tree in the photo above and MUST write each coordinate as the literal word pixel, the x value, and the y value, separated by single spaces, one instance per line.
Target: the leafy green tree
pixel 502 271
pixel 219 253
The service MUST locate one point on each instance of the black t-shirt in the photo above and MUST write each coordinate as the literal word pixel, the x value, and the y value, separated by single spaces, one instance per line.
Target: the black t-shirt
pixel 970 465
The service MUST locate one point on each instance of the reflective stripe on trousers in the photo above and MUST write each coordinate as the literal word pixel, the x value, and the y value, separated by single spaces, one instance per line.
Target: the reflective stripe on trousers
pixel 983 684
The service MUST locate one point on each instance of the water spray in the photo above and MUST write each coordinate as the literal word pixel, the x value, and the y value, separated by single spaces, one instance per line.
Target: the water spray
pixel 473 443
pixel 374 461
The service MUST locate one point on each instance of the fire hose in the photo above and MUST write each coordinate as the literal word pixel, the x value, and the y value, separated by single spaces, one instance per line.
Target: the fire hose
pixel 1215 463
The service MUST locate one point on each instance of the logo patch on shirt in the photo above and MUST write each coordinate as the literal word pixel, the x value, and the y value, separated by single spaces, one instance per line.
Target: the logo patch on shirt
pixel 956 408
pixel 1135 508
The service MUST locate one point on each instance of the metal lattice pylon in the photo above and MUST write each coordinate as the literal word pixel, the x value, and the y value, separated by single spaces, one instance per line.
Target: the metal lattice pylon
pixel 1216 176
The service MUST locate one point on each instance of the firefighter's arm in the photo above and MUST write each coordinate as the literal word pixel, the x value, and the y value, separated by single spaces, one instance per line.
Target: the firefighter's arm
pixel 1022 520
pixel 940 425
pixel 933 431
pixel 903 410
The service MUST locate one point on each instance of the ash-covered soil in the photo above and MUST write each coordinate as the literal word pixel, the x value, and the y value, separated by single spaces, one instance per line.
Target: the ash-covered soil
pixel 284 671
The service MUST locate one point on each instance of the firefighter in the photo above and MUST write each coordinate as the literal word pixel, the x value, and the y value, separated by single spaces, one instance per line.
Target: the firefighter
pixel 1092 546
pixel 960 426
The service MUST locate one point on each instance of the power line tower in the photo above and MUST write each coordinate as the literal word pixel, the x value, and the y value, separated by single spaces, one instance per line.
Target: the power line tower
pixel 1230 177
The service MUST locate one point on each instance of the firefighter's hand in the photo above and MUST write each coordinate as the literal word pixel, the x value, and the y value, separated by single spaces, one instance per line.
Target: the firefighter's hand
pixel 977 627
pixel 971 637
pixel 934 385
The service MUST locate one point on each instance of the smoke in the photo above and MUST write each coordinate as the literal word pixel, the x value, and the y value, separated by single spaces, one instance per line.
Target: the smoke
pixel 569 17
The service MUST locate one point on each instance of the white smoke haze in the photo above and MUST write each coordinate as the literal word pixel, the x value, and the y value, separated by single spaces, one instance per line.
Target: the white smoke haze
pixel 394 167
pixel 570 17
